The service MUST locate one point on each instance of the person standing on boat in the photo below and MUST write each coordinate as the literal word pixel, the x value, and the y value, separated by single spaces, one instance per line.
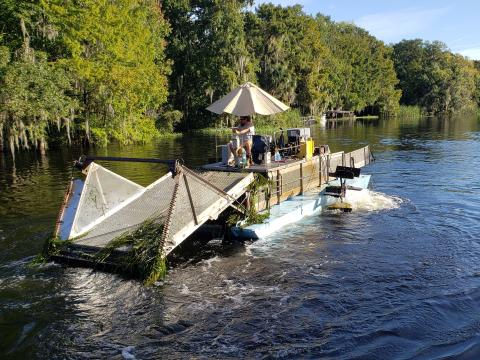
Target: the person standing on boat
pixel 245 131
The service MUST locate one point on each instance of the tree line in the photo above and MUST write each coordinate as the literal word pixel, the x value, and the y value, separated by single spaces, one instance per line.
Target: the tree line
pixel 434 78
pixel 92 71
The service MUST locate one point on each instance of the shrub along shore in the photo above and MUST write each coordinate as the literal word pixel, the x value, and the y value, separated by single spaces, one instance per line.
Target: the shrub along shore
pixel 95 71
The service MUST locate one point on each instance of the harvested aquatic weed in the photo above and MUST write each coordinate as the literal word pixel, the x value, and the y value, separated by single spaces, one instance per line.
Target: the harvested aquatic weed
pixel 252 216
pixel 143 251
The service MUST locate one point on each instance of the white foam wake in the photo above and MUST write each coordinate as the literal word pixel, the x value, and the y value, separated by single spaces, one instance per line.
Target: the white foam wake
pixel 368 200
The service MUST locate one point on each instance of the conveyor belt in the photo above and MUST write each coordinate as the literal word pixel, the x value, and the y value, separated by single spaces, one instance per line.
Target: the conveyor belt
pixel 106 205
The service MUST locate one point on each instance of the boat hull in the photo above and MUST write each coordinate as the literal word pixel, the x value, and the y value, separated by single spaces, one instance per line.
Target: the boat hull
pixel 294 209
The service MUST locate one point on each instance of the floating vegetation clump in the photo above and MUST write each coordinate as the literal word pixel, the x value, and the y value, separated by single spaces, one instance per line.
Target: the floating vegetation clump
pixel 143 249
pixel 53 246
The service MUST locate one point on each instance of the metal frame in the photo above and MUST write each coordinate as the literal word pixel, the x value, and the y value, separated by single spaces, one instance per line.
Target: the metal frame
pixel 66 199
pixel 85 160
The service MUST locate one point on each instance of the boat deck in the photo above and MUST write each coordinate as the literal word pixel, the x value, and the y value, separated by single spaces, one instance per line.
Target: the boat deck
pixel 294 176
pixel 273 166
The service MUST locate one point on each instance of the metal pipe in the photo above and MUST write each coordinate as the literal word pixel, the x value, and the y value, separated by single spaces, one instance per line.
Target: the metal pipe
pixel 66 199
pixel 278 187
pixel 84 161
pixel 126 159
pixel 301 178
pixel 190 199
pixel 320 170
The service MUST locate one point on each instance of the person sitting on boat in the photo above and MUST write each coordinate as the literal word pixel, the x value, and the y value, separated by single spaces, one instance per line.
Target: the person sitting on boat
pixel 245 131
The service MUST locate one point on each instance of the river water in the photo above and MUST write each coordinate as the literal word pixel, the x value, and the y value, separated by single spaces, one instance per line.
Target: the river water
pixel 398 278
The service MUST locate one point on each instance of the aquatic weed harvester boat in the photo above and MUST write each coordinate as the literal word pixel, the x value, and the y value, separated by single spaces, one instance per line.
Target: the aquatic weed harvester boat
pixel 111 223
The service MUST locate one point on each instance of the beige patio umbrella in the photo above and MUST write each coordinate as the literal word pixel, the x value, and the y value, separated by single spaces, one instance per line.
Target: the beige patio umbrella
pixel 248 99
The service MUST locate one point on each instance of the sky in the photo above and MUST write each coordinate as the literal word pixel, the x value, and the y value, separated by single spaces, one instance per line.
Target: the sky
pixel 454 22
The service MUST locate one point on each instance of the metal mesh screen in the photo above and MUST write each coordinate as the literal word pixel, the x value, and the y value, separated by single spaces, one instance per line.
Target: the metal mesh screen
pixel 208 193
pixel 103 192
pixel 222 180
pixel 199 197
pixel 152 203
pixel 182 215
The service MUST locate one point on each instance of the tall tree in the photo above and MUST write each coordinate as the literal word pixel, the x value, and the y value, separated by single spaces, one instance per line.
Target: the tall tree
pixel 116 52
pixel 476 65
pixel 434 78
pixel 294 61
pixel 364 73
pixel 96 66
pixel 33 91
pixel 208 45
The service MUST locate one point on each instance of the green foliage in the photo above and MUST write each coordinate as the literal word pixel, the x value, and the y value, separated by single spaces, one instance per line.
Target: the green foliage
pixel 208 46
pixel 410 111
pixel 32 97
pixel 99 136
pixel 363 74
pixel 433 78
pixel 81 65
pixel 141 129
pixel 288 119
pixel 144 256
pixel 116 52
pixel 252 216
pixel 309 63
pixel 52 246
pixel 476 95
pixel 293 58
pixel 169 120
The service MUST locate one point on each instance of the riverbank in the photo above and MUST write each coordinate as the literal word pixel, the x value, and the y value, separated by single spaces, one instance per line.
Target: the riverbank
pixel 263 125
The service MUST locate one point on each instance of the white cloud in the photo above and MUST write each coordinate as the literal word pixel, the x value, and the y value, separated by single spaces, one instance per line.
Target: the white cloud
pixel 397 25
pixel 472 53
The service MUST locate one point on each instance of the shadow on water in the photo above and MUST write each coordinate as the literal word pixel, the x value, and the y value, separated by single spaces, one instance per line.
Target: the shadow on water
pixel 402 282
